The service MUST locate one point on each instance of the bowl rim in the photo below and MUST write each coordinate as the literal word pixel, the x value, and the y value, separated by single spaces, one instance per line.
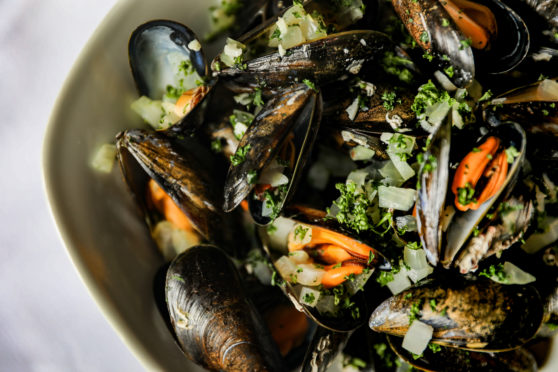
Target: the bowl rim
pixel 109 311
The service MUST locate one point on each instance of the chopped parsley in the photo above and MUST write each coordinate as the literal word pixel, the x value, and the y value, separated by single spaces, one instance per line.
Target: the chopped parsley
pixel 300 232
pixel 276 34
pixel 465 44
pixel 390 98
pixel 433 304
pixel 240 155
pixel 309 298
pixel 445 22
pixel 486 96
pixel 415 311
pixel 252 177
pixel 384 278
pixel 216 145
pixel 434 347
pixel 466 195
pixel 449 71
pixel 511 154
pixel 495 271
pixel 310 84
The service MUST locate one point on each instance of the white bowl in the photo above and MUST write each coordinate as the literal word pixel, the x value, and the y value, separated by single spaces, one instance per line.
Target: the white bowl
pixel 98 221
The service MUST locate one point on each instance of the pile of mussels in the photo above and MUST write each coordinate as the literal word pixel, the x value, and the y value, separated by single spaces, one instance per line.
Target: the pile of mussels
pixel 367 179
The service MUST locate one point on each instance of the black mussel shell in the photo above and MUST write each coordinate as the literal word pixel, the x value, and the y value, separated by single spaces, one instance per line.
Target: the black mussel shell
pixel 296 110
pixel 155 51
pixel 216 325
pixel 468 314
pixel 149 49
pixel 423 19
pixel 181 168
pixel 321 61
pixel 463 224
pixel 457 360
pixel 534 107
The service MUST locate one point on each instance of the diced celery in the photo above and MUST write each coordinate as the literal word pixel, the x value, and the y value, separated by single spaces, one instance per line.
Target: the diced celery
pixel 104 157
pixel 397 198
pixel 309 296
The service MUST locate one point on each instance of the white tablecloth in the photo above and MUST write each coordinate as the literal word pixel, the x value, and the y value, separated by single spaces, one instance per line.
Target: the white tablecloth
pixel 48 321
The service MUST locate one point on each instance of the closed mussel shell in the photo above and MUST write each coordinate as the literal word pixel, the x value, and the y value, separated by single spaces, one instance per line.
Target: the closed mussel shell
pixel 216 325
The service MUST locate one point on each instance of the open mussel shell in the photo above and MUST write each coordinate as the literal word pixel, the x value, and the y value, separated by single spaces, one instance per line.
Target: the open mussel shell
pixel 321 61
pixel 457 360
pixel 295 113
pixel 156 51
pixel 215 323
pixel 274 248
pixel 511 45
pixel 431 195
pixel 463 224
pixel 476 315
pixel 181 169
pixel 423 19
pixel 534 107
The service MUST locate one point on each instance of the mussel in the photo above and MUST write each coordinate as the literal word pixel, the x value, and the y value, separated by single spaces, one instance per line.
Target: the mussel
pixel 452 359
pixel 464 36
pixel 534 106
pixel 484 177
pixel 309 253
pixel 214 322
pixel 469 314
pixel 274 151
pixel 153 163
pixel 168 63
pixel 322 61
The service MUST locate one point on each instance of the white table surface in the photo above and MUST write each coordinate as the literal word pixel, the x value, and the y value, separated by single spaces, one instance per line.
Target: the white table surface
pixel 48 320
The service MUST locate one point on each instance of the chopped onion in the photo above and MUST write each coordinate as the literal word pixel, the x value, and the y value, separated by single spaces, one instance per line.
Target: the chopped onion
pixel 548 90
pixel 404 169
pixel 444 81
pixel 514 275
pixel 309 296
pixel 391 175
pixel 352 109
pixel 400 282
pixel 362 153
pixel 353 286
pixel 417 337
pixel 437 113
pixel 285 267
pixel 407 223
pixel 404 144
pixel 194 45
pixel 309 274
pixel 417 275
pixel 104 157
pixel 537 241
pixel 326 305
pixel 415 258
pixel 358 177
pixel 273 177
pixel 171 240
pixel 278 238
pixel 398 198
pixel 299 257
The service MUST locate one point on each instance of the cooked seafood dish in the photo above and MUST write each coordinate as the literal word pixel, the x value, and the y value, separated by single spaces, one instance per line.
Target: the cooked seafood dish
pixel 352 185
